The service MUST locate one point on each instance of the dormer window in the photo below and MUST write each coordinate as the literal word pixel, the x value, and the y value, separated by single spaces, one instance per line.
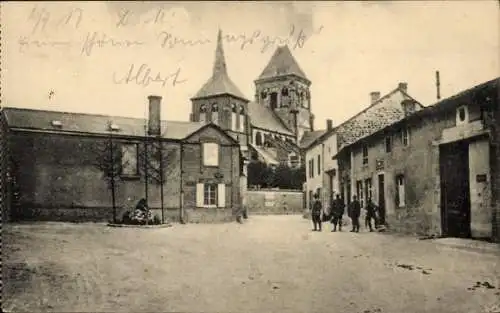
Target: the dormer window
pixel 56 123
pixel 114 127
pixel 462 115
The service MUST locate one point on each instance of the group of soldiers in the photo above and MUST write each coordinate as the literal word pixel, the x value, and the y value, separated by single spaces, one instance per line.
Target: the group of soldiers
pixel 337 210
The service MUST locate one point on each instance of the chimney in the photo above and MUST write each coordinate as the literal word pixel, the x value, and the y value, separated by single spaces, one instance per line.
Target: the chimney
pixel 438 84
pixel 403 86
pixel 154 124
pixel 311 121
pixel 408 106
pixel 375 95
pixel 329 124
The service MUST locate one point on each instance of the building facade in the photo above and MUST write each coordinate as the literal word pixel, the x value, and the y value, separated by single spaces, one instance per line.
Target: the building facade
pixel 323 147
pixel 270 127
pixel 59 166
pixel 432 172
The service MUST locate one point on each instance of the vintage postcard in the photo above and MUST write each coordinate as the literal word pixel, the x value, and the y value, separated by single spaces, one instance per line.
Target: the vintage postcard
pixel 266 156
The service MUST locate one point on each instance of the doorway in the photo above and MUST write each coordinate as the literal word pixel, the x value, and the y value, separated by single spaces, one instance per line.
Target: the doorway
pixel 455 192
pixel 381 198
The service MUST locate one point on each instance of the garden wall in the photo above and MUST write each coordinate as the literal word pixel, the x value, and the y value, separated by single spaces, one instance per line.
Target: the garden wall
pixel 270 201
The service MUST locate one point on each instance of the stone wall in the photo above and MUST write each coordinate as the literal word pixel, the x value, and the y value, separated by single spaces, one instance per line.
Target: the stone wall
pixel 274 202
pixel 58 179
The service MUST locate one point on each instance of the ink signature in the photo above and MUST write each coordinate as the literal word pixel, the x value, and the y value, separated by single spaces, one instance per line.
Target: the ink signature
pixel 26 43
pixel 171 41
pixel 103 40
pixel 42 18
pixel 144 76
pixel 127 17
pixel 296 38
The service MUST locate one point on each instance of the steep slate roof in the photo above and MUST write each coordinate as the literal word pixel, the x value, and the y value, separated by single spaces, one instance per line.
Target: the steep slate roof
pixel 281 144
pixel 93 124
pixel 262 116
pixel 219 83
pixel 309 137
pixel 267 157
pixel 452 102
pixel 282 63
pixel 386 111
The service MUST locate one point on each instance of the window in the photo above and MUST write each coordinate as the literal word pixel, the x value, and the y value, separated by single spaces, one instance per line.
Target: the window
pixel 400 191
pixel 258 139
pixel 294 161
pixel 388 144
pixel 312 168
pixel 234 117
pixel 365 154
pixel 129 159
pixel 203 113
pixel 274 100
pixel 368 188
pixel 210 154
pixel 319 164
pixel 242 119
pixel 215 113
pixel 462 115
pixel 405 137
pixel 210 195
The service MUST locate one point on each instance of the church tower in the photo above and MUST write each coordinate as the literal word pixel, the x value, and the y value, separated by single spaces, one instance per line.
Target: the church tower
pixel 219 100
pixel 284 88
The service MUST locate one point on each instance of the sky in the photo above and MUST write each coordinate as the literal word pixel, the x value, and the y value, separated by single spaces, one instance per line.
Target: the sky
pixel 92 57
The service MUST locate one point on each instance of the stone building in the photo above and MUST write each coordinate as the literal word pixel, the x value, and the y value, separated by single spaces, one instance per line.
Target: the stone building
pixel 53 158
pixel 432 171
pixel 270 127
pixel 323 175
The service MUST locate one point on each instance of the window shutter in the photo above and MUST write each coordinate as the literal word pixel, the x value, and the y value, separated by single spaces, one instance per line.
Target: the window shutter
pixel 199 195
pixel 221 195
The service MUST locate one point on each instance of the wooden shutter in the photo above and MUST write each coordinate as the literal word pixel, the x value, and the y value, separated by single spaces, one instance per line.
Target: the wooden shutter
pixel 221 195
pixel 199 195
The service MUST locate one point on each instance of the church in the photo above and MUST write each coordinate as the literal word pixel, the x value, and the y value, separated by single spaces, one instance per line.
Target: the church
pixel 270 127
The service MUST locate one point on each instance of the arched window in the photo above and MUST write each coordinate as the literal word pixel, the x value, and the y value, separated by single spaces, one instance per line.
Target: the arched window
pixel 258 139
pixel 242 119
pixel 215 113
pixel 234 117
pixel 203 113
pixel 284 91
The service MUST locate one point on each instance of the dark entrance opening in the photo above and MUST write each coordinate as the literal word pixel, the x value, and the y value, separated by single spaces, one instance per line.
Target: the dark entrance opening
pixel 455 192
pixel 274 100
pixel 381 198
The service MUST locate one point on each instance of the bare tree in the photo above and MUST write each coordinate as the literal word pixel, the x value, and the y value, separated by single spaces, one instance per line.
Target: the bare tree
pixel 155 159
pixel 109 160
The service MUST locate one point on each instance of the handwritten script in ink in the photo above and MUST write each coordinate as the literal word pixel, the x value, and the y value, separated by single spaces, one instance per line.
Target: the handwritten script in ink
pixel 143 75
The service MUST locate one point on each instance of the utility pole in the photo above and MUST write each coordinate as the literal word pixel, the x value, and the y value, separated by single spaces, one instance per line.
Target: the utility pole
pixel 438 84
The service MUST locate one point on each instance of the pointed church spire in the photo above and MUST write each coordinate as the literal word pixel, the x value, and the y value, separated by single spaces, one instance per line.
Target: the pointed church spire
pixel 219 83
pixel 220 67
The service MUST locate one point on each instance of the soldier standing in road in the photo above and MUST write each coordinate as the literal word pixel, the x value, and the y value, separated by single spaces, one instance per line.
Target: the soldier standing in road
pixel 354 212
pixel 370 213
pixel 337 213
pixel 316 213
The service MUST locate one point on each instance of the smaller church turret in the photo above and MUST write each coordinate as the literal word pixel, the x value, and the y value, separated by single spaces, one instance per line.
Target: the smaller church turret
pixel 220 101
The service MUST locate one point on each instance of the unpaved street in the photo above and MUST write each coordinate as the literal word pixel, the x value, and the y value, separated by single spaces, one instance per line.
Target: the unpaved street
pixel 269 264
